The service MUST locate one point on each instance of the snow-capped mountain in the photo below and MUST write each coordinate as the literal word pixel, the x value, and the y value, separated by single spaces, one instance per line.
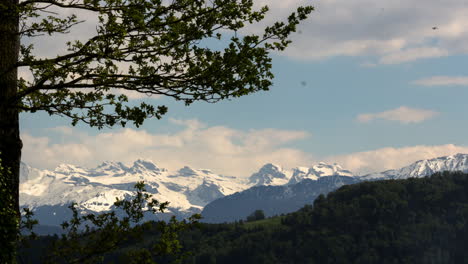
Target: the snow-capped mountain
pixel 274 175
pixel 423 168
pixel 188 190
pixel 270 174
pixel 317 171
pixel 306 184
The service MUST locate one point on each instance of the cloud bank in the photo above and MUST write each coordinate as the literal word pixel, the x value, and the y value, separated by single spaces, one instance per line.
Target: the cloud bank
pixel 393 158
pixel 394 31
pixel 403 114
pixel 225 150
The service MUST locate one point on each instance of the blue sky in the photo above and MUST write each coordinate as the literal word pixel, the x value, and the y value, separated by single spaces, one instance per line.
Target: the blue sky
pixel 369 88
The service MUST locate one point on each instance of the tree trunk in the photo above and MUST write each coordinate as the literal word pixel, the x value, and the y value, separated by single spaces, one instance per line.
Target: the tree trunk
pixel 10 142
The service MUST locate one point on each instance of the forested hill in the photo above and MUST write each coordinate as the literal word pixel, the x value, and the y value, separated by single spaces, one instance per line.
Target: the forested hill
pixel 394 221
pixel 416 220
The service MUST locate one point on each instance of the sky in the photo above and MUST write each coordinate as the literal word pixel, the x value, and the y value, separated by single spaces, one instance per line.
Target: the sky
pixel 368 84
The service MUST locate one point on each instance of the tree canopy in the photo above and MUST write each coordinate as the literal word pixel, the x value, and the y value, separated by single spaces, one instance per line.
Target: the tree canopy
pixel 155 47
pixel 416 220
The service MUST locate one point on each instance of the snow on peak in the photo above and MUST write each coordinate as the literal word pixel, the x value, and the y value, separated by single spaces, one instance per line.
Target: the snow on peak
pixel 142 166
pixel 322 169
pixel 206 192
pixel 423 168
pixel 28 173
pixel 186 171
pixel 68 169
pixel 206 171
pixel 301 173
pixel 148 164
pixel 96 189
pixel 188 190
pixel 111 167
pixel 269 174
pixel 271 167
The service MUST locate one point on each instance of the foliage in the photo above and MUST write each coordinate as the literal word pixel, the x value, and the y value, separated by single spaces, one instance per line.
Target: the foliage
pixel 10 236
pixel 421 220
pixel 271 222
pixel 418 220
pixel 153 47
pixel 90 237
pixel 256 215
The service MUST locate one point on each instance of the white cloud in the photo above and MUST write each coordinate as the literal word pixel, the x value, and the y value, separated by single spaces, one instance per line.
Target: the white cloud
pixel 413 54
pixel 64 130
pixel 443 81
pixel 395 31
pixel 393 158
pixel 222 149
pixel 225 150
pixel 402 114
pixel 50 46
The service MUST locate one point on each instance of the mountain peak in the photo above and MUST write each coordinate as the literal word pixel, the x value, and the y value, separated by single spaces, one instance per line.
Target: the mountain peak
pixel 186 171
pixel 423 168
pixel 269 174
pixel 271 167
pixel 141 165
pixel 458 156
pixel 68 169
pixel 111 166
pixel 322 169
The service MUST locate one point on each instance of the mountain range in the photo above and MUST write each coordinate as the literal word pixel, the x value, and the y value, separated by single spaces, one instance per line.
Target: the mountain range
pixel 49 192
pixel 218 197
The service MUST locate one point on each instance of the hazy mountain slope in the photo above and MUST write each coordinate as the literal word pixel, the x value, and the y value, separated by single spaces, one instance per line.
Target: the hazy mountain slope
pixel 278 199
pixel 273 200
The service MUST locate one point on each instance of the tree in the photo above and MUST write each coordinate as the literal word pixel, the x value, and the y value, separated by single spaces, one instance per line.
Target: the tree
pixel 147 46
pixel 8 221
pixel 256 215
pixel 106 236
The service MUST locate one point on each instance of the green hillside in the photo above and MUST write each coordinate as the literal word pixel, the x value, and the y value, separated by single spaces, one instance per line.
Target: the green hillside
pixel 396 221
pixel 420 220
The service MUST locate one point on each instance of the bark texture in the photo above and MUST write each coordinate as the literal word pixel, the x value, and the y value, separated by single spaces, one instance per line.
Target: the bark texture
pixel 10 142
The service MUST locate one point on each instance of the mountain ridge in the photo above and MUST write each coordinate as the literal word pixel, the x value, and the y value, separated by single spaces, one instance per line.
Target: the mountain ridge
pixel 239 204
pixel 188 190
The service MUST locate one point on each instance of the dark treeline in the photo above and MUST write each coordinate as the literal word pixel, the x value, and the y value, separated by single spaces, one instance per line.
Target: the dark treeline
pixel 394 221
